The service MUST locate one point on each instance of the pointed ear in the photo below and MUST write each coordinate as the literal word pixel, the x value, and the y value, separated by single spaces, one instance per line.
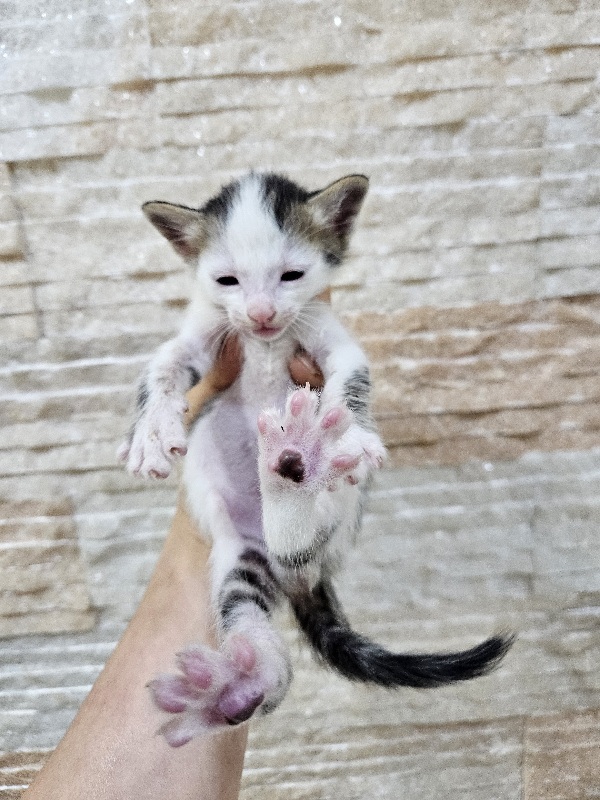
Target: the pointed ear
pixel 185 228
pixel 337 205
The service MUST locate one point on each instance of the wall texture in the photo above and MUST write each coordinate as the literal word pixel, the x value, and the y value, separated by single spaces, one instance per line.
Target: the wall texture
pixel 474 284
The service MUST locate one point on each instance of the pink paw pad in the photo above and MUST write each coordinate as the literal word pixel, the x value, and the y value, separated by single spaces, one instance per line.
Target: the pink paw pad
pixel 215 689
pixel 304 445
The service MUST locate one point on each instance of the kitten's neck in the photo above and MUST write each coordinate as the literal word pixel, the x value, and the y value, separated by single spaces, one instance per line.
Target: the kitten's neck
pixel 264 379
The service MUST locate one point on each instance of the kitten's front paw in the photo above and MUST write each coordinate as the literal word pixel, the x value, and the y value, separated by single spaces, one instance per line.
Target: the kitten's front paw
pixel 371 445
pixel 158 438
pixel 214 690
pixel 307 446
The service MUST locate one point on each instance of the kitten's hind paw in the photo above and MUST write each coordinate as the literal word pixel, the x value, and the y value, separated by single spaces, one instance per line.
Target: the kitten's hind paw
pixel 214 690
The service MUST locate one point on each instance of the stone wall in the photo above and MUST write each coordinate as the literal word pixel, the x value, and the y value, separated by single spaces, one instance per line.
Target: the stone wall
pixel 473 282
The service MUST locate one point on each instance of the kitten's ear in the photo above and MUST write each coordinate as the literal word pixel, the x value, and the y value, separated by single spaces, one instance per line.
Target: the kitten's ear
pixel 184 228
pixel 337 205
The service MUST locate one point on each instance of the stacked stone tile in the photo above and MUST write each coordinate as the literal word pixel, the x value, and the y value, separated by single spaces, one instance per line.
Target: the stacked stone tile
pixel 474 284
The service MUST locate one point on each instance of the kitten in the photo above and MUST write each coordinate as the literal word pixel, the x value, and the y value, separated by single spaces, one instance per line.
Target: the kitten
pixel 277 476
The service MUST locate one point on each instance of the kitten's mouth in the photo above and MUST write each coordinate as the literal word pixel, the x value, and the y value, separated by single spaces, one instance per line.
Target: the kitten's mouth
pixel 266 331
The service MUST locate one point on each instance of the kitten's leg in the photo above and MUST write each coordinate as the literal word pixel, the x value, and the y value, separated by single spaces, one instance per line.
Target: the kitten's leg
pixel 347 381
pixel 158 434
pixel 312 465
pixel 251 669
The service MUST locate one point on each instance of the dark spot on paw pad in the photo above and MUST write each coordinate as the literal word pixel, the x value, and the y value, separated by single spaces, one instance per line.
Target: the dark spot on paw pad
pixel 245 713
pixel 290 466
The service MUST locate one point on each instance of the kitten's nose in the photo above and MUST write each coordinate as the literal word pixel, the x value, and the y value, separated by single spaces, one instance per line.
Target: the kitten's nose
pixel 260 311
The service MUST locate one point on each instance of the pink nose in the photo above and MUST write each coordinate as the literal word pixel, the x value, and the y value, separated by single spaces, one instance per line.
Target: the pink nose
pixel 260 312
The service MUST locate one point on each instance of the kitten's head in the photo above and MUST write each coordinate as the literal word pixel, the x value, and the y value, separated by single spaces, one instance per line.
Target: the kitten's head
pixel 263 247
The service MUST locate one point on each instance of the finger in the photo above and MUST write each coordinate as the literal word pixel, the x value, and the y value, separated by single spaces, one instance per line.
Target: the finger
pixel 304 370
pixel 228 364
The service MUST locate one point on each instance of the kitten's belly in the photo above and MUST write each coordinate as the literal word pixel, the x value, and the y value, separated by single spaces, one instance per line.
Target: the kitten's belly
pixel 223 449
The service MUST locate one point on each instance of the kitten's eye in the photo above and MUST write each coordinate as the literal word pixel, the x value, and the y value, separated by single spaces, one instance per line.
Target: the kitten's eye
pixel 228 280
pixel 292 275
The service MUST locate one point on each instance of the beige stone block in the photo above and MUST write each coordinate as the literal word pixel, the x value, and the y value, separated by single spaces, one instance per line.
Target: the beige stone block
pixel 550 67
pixel 483 316
pixel 37 394
pixel 16 300
pixel 573 131
pixel 211 24
pixel 517 347
pixel 5 179
pixel 111 198
pixel 14 272
pixel 570 252
pixel 563 29
pixel 32 623
pixel 38 507
pixel 560 756
pixel 112 563
pixel 40 435
pixel 461 105
pixel 78 140
pixel 78 376
pixel 41 578
pixel 78 32
pixel 456 451
pixel 521 392
pixel 63 404
pixel 43 587
pixel 59 458
pixel 521 132
pixel 8 210
pixel 488 435
pixel 458 202
pixel 570 281
pixel 486 70
pixel 130 320
pixel 383 253
pixel 11 240
pixel 24 530
pixel 58 141
pixel 460 167
pixel 21 326
pixel 111 480
pixel 562 222
pixel 92 248
pixel 522 424
pixel 252 56
pixel 71 106
pixel 33 71
pixel 385 761
pixel 18 770
pixel 390 295
pixel 574 159
pixel 171 290
pixel 469 447
pixel 29 10
pixel 102 532
pixel 570 192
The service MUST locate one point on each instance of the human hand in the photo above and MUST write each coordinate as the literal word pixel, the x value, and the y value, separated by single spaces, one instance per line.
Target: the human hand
pixel 227 367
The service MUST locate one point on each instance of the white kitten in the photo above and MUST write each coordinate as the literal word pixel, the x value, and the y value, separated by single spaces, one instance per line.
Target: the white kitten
pixel 275 476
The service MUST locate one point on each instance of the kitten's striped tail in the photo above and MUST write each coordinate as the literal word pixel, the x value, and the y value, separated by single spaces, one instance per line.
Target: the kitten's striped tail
pixel 358 659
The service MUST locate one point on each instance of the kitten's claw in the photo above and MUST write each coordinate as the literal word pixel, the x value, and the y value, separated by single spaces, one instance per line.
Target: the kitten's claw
pixel 123 451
